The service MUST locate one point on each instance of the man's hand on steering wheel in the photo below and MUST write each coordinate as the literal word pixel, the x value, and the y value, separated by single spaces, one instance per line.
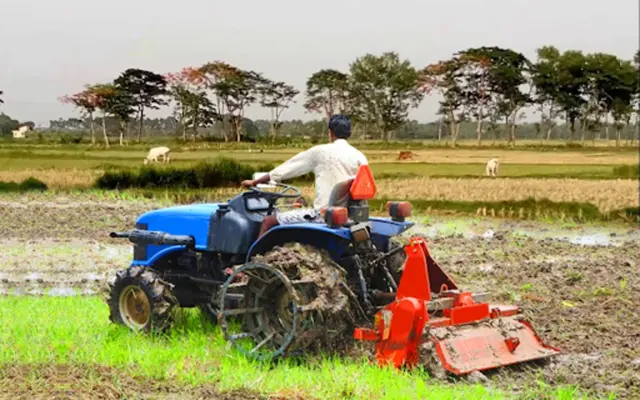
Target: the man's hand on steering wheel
pixel 273 197
pixel 281 194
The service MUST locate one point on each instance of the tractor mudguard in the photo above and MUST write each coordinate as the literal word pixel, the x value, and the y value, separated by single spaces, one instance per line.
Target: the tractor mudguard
pixel 382 229
pixel 335 241
pixel 388 227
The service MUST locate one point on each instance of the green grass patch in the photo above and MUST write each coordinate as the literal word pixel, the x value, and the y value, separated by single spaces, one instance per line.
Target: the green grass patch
pixel 71 331
pixel 220 173
pixel 62 159
pixel 29 184
pixel 627 171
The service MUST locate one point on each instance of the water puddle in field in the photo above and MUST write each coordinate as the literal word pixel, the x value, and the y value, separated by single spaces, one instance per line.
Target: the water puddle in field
pixel 16 283
pixel 58 268
pixel 495 229
pixel 62 291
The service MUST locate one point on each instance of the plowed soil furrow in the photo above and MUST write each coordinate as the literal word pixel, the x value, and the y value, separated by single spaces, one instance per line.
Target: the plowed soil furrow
pixel 65 221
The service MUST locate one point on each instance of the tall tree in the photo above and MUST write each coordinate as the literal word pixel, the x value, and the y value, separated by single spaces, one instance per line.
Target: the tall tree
pixel 327 92
pixel 600 75
pixel 475 68
pixel 235 89
pixel 383 89
pixel 544 77
pixel 200 111
pixel 146 88
pixel 102 92
pixel 209 75
pixel 276 96
pixel 636 63
pixel 506 71
pixel 8 124
pixel 445 78
pixel 186 86
pixel 572 84
pixel 88 102
pixel 623 83
pixel 116 102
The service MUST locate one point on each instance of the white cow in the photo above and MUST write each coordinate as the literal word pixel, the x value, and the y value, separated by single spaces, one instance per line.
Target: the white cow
pixel 492 167
pixel 156 152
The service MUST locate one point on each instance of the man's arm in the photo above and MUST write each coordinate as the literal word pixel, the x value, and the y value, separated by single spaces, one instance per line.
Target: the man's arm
pixel 298 165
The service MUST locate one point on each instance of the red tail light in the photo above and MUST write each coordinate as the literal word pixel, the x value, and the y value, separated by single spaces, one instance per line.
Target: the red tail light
pixel 336 216
pixel 399 210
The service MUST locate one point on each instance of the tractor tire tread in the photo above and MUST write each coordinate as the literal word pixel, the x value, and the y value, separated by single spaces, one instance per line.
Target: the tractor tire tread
pixel 157 290
pixel 299 260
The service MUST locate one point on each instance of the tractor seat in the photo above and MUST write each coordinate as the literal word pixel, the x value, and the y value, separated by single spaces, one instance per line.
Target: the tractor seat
pixel 354 193
pixel 340 194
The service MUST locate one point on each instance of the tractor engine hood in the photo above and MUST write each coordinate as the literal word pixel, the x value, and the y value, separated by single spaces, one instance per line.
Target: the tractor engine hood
pixel 193 219
pixel 227 228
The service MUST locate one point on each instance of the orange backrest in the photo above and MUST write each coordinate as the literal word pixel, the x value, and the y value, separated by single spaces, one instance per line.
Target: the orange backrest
pixel 363 186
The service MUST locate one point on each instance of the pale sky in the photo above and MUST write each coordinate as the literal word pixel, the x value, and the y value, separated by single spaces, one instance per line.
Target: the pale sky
pixel 49 48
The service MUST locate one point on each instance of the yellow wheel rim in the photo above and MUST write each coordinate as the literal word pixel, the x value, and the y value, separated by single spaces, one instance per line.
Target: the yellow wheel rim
pixel 134 307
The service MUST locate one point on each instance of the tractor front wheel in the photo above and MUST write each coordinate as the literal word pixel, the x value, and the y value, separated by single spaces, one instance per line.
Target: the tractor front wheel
pixel 140 300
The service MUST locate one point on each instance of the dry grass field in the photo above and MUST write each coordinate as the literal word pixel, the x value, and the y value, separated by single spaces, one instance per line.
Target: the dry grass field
pixel 607 195
pixel 481 156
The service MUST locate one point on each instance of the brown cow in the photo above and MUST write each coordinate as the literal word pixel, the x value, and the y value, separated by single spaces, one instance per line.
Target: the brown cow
pixel 405 155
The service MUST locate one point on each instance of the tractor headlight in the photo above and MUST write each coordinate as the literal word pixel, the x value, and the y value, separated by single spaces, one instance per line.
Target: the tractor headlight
pixel 399 210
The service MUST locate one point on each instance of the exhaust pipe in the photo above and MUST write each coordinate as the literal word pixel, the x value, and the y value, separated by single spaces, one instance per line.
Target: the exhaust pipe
pixel 143 237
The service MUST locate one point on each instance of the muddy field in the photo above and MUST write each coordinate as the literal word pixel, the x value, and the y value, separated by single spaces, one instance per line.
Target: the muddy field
pixel 90 382
pixel 579 286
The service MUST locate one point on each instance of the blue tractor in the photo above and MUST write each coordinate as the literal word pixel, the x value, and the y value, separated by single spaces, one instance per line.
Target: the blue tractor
pixel 295 287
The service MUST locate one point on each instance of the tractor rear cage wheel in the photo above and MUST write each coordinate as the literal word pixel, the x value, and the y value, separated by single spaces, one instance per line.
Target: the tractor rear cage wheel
pixel 261 273
pixel 211 309
pixel 294 299
pixel 138 293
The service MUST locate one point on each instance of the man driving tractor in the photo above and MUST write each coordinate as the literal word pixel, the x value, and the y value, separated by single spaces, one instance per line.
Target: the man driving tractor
pixel 331 164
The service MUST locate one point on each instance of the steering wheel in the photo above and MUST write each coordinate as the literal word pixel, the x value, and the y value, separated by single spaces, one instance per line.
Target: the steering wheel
pixel 272 197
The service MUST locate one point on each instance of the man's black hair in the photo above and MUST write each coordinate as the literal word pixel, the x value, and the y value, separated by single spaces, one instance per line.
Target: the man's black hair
pixel 340 125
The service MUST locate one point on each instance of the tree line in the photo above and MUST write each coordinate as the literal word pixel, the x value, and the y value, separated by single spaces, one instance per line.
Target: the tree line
pixel 74 130
pixel 214 92
pixel 488 87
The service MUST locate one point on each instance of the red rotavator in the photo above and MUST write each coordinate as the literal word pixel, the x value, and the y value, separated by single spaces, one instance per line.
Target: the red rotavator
pixel 467 333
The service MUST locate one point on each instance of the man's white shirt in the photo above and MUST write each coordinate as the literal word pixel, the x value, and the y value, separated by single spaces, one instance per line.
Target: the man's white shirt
pixel 331 163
